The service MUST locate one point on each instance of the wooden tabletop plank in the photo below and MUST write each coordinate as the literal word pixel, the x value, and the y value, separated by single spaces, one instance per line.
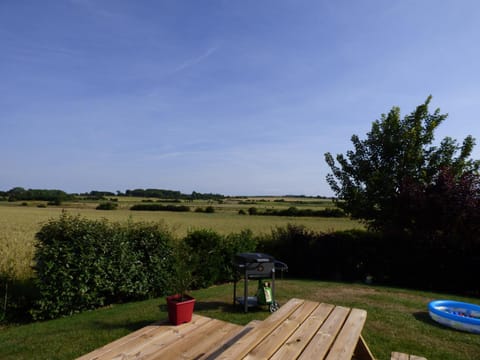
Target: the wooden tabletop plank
pixel 282 332
pixel 399 356
pixel 214 353
pixel 326 334
pixel 347 339
pixel 199 342
pixel 246 343
pixel 95 354
pixel 160 338
pixel 293 347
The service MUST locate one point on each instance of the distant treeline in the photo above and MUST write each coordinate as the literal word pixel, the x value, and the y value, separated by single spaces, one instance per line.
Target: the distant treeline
pixel 306 196
pixel 171 194
pixel 154 193
pixel 21 194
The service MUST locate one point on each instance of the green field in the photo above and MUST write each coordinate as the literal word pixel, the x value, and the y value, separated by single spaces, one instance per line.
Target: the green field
pixel 20 221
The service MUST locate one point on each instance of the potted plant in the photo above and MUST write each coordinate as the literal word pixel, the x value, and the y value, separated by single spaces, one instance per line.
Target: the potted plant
pixel 180 305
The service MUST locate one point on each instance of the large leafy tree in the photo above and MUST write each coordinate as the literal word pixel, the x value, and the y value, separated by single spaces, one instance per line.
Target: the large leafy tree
pixel 397 173
pixel 445 213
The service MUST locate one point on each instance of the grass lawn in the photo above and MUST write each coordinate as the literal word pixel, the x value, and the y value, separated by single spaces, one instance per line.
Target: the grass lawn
pixel 397 321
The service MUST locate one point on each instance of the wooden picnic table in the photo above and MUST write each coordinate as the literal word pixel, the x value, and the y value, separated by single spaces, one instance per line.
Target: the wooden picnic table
pixel 300 329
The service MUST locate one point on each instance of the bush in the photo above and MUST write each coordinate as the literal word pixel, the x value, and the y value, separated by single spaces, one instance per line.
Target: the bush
pixel 206 260
pixel 233 244
pixel 181 277
pixel 153 245
pixel 82 264
pixel 209 209
pixel 69 266
pixel 293 245
pixel 55 202
pixel 210 255
pixel 107 206
pixel 344 255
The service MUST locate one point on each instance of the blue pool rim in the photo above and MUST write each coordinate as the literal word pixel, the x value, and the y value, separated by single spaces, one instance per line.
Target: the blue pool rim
pixel 432 307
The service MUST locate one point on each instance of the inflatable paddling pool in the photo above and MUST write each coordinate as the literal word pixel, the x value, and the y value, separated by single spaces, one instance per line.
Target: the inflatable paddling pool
pixel 455 314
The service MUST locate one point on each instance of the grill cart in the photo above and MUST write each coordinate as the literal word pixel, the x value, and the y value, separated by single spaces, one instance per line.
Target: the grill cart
pixel 260 267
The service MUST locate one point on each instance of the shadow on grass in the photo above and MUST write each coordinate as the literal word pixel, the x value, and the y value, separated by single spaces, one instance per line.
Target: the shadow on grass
pixel 424 317
pixel 225 307
pixel 219 306
pixel 130 326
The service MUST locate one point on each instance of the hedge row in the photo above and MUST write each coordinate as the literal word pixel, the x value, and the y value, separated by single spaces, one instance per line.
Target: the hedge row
pixel 107 206
pixel 355 254
pixel 159 207
pixel 294 211
pixel 83 264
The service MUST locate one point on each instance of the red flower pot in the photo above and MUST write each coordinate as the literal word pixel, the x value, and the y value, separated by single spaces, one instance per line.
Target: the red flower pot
pixel 180 309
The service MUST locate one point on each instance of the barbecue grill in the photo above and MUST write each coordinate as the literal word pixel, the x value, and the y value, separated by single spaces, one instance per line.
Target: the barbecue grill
pixel 255 266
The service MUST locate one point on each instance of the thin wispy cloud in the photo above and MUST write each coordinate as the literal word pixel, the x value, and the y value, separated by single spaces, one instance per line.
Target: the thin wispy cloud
pixel 31 50
pixel 195 61
pixel 94 8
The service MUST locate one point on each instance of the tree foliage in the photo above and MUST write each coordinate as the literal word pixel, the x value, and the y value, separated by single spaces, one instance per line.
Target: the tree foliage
pixel 386 176
pixel 446 212
pixel 172 194
pixel 19 193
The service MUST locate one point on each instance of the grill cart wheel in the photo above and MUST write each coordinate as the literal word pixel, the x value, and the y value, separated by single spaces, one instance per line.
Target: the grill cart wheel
pixel 274 306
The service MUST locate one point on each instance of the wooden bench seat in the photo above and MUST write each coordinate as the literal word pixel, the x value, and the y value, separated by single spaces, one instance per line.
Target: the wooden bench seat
pixel 402 356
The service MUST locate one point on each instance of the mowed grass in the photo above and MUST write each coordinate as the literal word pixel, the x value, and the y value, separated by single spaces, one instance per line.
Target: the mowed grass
pixel 397 321
pixel 19 224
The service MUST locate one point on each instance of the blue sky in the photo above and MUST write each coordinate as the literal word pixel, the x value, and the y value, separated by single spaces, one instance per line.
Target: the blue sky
pixel 233 97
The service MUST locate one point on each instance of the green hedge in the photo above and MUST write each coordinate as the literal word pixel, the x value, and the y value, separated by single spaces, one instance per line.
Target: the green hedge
pixel 355 254
pixel 83 264
pixel 294 211
pixel 107 206
pixel 159 207
pixel 211 254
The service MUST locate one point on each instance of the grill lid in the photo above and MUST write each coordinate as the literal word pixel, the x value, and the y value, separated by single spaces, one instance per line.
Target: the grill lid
pixel 247 258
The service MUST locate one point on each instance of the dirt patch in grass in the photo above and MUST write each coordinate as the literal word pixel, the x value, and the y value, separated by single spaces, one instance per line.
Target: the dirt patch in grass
pixel 343 293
